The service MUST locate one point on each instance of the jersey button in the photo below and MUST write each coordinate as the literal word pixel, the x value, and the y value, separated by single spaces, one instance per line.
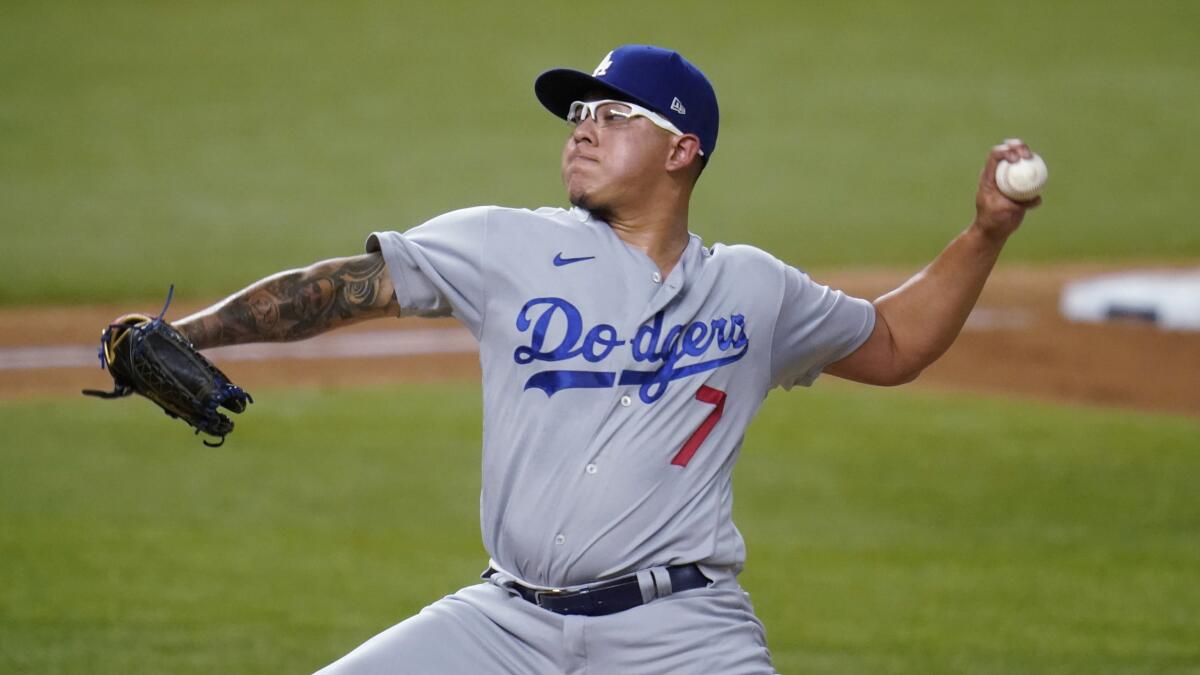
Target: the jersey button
pixel 626 401
pixel 560 539
pixel 656 277
pixel 590 468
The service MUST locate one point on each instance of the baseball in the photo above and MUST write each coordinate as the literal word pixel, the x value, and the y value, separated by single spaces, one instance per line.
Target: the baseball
pixel 1022 181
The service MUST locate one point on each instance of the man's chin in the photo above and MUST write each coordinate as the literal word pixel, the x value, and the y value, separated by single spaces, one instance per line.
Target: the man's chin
pixel 580 200
pixel 599 211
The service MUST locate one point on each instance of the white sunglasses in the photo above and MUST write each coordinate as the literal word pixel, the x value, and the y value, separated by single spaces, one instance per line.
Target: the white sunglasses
pixel 610 113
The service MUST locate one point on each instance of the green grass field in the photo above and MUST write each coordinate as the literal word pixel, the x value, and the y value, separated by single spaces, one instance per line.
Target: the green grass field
pixel 207 144
pixel 887 533
pixel 211 143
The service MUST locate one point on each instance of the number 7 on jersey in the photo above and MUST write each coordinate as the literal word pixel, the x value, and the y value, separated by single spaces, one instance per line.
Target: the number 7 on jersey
pixel 711 396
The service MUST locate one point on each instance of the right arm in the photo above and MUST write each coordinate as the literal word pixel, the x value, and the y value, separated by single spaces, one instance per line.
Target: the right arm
pixel 297 304
pixel 916 323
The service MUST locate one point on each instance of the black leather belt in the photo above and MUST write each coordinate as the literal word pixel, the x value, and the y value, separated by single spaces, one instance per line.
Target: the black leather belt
pixel 608 597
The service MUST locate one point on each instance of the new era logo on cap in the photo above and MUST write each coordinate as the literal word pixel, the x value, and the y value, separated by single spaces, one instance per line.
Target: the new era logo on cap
pixel 653 77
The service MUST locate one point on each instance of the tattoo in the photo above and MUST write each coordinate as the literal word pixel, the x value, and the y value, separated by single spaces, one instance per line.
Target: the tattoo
pixel 297 304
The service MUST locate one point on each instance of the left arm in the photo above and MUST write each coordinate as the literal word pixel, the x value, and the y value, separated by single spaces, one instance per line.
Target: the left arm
pixel 916 323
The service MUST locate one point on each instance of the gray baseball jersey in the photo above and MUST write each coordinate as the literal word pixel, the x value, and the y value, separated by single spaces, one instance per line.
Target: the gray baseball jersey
pixel 615 401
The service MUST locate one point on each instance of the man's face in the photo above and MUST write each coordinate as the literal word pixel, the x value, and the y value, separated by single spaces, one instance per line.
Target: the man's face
pixel 611 163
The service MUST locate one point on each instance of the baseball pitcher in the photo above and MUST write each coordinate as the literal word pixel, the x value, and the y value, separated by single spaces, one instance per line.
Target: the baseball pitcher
pixel 623 358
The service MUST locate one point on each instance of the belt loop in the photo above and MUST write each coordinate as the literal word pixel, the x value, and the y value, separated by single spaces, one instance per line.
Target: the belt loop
pixel 662 581
pixel 501 579
pixel 646 584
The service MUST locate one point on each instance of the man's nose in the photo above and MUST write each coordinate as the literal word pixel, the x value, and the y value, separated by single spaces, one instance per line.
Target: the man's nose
pixel 584 131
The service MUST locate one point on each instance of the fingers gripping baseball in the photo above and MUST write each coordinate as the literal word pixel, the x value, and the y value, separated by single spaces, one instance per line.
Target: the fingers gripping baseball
pixel 997 214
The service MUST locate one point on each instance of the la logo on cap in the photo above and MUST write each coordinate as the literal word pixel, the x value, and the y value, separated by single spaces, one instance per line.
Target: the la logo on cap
pixel 602 69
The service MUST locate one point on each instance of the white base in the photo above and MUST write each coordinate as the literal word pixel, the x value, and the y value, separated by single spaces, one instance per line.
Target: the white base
pixel 1167 298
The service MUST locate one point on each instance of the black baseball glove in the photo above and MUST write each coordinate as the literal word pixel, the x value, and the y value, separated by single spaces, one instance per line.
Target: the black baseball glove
pixel 147 356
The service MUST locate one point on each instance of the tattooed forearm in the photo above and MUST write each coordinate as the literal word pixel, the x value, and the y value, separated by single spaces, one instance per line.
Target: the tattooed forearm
pixel 297 304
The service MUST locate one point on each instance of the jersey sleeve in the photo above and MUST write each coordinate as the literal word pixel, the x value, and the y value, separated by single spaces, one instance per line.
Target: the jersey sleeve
pixel 437 267
pixel 817 326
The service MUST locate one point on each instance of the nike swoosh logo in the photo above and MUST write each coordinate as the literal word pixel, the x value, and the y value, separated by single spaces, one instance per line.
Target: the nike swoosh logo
pixel 559 260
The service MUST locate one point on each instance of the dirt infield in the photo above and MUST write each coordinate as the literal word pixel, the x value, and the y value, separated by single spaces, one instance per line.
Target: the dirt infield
pixel 1015 343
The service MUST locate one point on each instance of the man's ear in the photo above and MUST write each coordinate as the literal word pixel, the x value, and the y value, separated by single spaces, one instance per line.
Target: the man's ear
pixel 685 149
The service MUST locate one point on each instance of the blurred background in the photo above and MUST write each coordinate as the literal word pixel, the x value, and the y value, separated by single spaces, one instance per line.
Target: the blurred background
pixel 1028 506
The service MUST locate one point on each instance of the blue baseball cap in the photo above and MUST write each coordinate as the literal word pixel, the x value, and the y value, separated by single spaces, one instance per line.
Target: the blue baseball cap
pixel 652 77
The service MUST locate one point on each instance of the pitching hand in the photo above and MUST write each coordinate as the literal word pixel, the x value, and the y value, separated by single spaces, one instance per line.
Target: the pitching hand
pixel 998 216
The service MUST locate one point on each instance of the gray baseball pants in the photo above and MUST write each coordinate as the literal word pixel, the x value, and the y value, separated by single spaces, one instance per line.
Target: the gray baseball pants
pixel 485 629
